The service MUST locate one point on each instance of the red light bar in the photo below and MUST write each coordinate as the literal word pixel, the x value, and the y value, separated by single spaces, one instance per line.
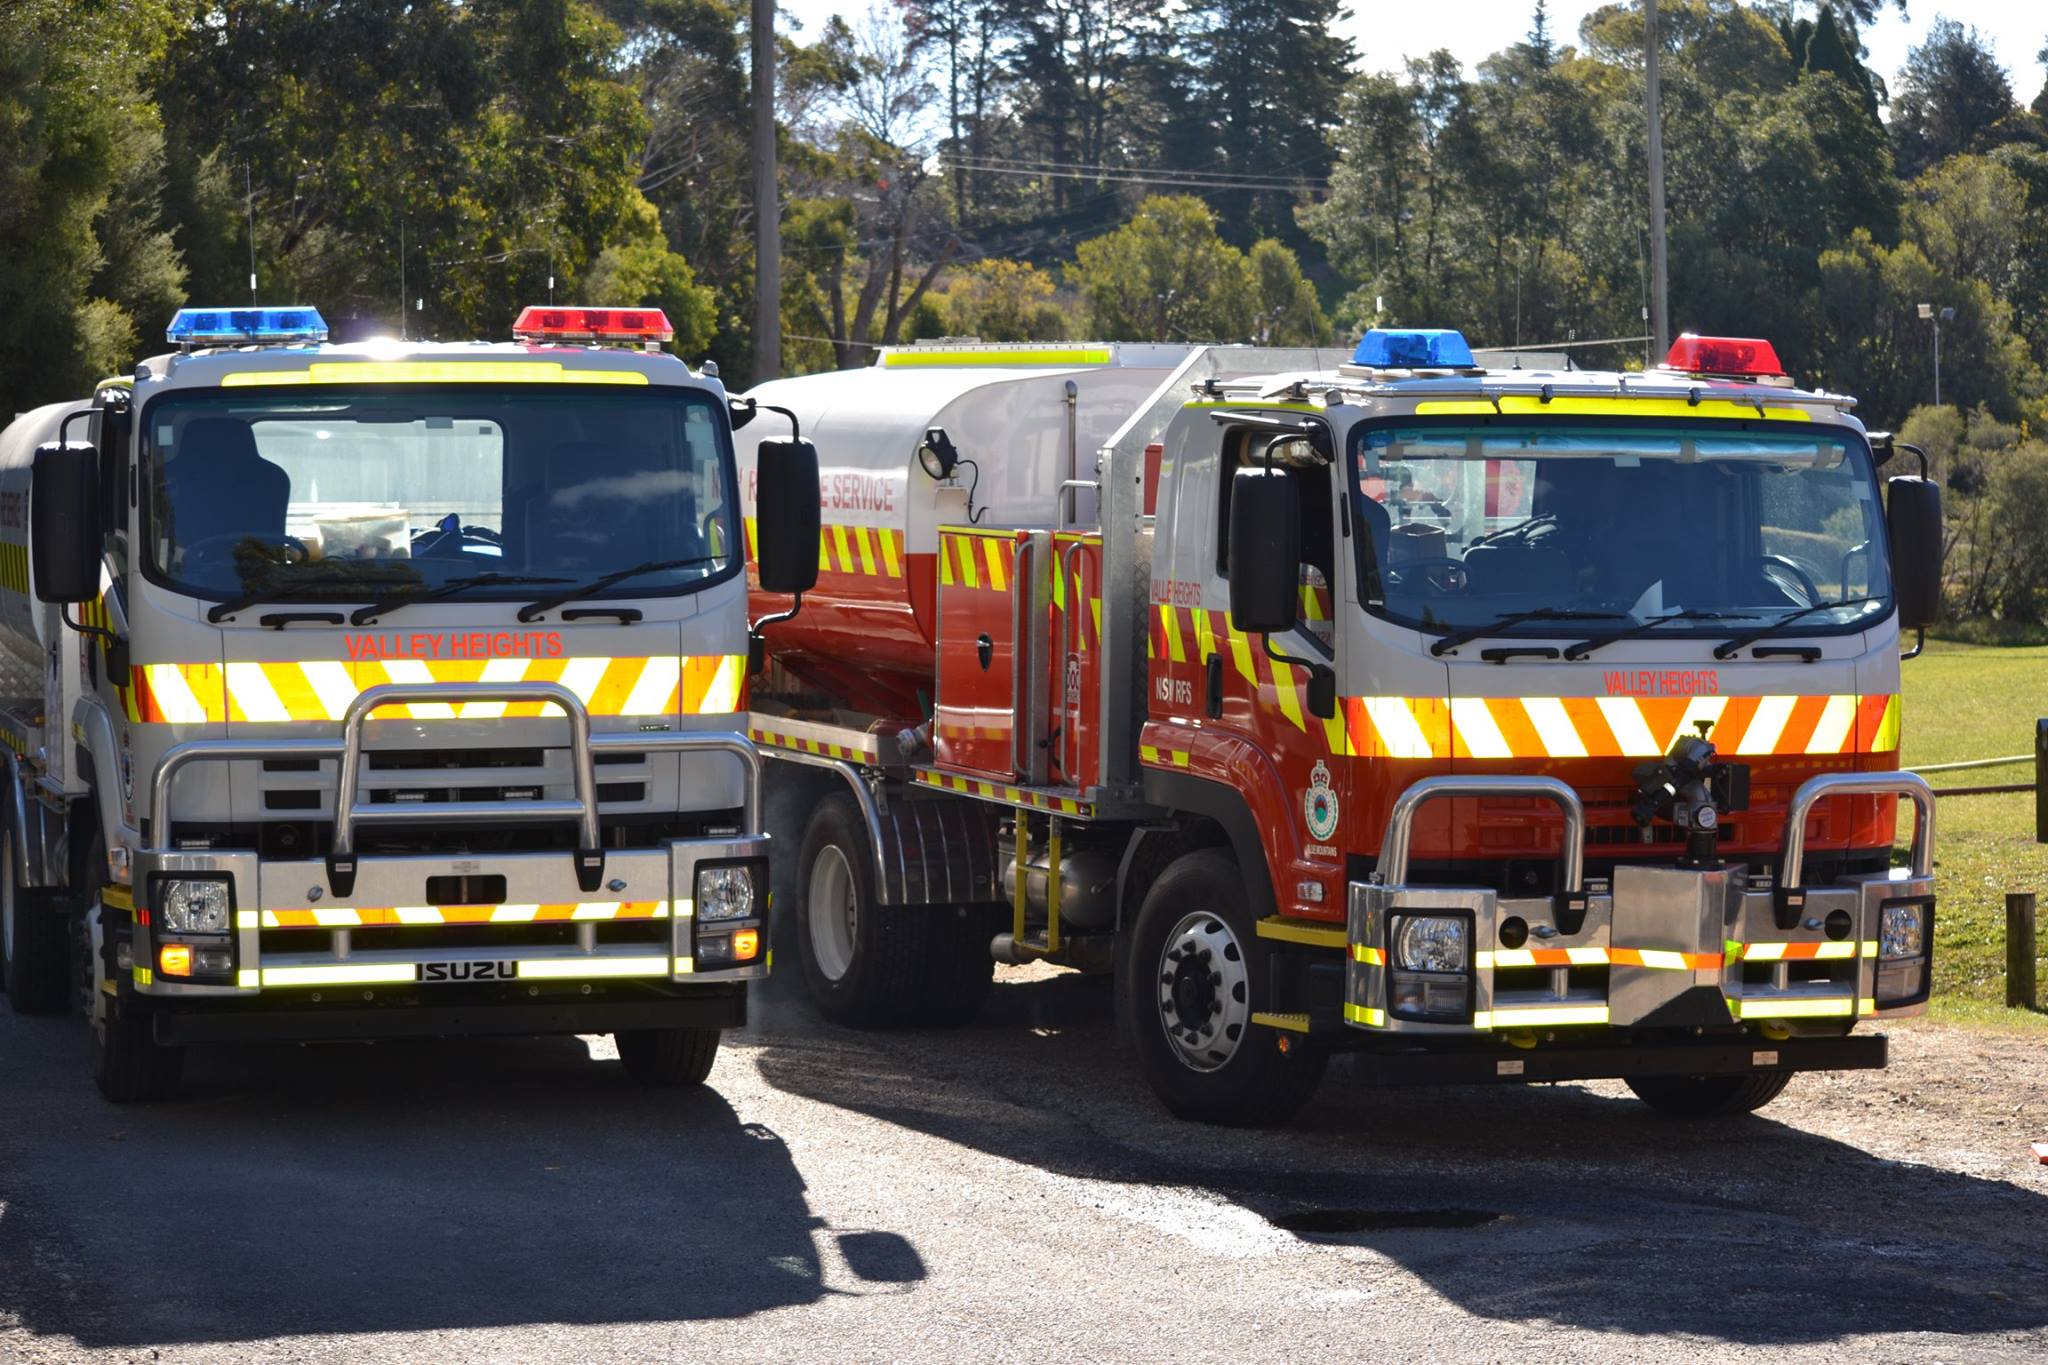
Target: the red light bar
pixel 592 324
pixel 1731 357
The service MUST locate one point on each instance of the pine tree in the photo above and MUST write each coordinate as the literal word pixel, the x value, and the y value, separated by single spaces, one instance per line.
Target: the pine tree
pixel 1274 72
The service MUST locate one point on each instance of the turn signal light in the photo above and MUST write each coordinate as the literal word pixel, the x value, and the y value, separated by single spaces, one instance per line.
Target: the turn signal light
pixel 745 943
pixel 175 959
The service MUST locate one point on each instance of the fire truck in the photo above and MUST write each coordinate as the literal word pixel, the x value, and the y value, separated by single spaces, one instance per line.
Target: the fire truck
pixel 1488 724
pixel 383 690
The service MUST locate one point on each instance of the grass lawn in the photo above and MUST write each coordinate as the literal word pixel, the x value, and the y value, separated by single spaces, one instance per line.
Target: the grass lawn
pixel 1964 702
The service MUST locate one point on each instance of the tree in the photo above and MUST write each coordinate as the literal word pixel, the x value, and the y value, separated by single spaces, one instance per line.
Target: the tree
pixel 86 268
pixel 999 300
pixel 1166 276
pixel 642 272
pixel 471 149
pixel 1273 72
pixel 1285 309
pixel 1966 215
pixel 1951 93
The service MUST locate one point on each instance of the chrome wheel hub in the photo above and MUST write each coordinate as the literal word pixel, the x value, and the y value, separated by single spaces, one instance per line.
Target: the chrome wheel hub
pixel 1204 992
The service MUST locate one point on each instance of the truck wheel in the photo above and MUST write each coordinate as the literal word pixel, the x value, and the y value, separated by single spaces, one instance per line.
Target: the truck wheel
pixel 128 1063
pixel 863 963
pixel 1195 972
pixel 961 971
pixel 1700 1097
pixel 34 941
pixel 676 1058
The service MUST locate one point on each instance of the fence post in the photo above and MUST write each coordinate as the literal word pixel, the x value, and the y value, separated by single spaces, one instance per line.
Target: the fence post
pixel 2041 781
pixel 2019 950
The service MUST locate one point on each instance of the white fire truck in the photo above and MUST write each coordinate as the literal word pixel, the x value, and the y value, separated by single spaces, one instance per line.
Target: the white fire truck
pixel 385 689
pixel 1488 723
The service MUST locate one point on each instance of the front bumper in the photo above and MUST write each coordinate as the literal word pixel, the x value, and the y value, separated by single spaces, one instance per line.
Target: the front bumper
pixel 292 934
pixel 1706 951
pixel 526 929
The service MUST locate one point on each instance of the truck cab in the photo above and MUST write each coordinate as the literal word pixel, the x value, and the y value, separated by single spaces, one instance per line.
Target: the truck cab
pixel 391 689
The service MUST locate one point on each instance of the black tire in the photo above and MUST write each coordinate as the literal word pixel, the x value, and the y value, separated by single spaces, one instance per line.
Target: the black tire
pixel 35 941
pixel 675 1058
pixel 872 975
pixel 959 971
pixel 1245 1080
pixel 1702 1097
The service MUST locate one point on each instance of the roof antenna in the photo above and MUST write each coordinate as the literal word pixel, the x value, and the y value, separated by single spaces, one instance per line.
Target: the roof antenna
pixel 249 180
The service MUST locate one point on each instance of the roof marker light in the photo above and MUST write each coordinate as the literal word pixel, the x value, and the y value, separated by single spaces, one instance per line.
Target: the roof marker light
pixel 1724 357
pixel 1414 348
pixel 592 325
pixel 244 326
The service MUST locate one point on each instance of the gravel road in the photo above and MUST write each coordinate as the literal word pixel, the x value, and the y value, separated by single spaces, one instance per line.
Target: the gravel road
pixel 1001 1192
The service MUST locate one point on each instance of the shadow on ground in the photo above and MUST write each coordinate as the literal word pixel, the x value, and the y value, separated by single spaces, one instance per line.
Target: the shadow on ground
pixel 1522 1204
pixel 392 1188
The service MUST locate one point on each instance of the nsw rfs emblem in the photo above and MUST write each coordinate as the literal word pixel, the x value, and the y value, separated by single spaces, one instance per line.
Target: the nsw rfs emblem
pixel 1319 803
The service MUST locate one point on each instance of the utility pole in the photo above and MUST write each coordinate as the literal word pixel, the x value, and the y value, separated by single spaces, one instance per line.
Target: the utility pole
pixel 1660 298
pixel 767 203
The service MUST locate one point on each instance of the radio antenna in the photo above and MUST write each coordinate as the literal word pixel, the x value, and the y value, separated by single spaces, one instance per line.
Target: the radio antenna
pixel 249 181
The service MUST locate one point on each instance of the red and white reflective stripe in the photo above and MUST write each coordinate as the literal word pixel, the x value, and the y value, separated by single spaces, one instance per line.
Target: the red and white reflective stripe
pixel 1834 951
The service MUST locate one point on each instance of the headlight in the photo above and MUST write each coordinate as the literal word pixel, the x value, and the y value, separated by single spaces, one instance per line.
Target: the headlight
pixel 194 907
pixel 725 893
pixel 1902 932
pixel 1430 943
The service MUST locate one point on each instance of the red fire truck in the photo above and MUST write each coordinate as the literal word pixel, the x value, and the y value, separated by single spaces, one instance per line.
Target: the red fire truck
pixel 1491 724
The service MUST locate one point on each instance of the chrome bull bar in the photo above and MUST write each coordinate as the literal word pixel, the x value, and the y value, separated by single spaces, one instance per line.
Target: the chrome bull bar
pixel 349 811
pixel 1668 946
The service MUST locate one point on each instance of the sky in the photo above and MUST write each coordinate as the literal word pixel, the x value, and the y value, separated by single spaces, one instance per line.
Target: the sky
pixel 1475 29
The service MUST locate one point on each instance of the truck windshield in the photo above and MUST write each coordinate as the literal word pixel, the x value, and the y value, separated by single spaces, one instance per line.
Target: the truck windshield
pixel 347 495
pixel 1693 529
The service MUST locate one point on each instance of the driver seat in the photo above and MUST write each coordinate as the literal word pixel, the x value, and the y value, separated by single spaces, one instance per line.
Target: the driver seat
pixel 218 485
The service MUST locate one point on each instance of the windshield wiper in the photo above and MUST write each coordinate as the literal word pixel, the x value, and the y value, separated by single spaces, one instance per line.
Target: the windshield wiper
pixel 532 610
pixel 1728 649
pixel 282 592
pixel 362 616
pixel 1649 627
pixel 1467 634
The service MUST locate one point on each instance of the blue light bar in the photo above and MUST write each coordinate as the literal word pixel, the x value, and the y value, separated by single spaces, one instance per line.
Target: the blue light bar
pixel 230 326
pixel 1414 348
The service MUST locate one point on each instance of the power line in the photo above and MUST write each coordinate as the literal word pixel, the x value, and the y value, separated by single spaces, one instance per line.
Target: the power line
pixel 1146 178
pixel 971 160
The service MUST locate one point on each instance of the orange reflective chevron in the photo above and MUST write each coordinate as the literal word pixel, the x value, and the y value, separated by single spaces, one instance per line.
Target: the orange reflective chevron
pixel 1616 727
pixel 322 689
pixel 370 917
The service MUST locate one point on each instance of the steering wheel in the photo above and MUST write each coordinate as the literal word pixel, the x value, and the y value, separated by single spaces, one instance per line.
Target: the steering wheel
pixel 433 542
pixel 227 542
pixel 1779 571
pixel 1440 572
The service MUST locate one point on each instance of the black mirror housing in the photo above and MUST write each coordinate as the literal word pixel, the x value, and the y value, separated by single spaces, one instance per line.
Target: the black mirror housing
pixel 64 523
pixel 787 510
pixel 1265 551
pixel 1913 516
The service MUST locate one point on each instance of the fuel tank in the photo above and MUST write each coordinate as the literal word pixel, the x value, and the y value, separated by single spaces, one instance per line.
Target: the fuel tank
pixel 929 435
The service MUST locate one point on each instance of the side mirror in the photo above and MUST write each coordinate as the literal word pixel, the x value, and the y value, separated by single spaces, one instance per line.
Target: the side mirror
pixel 1913 514
pixel 787 500
pixel 1265 551
pixel 64 524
